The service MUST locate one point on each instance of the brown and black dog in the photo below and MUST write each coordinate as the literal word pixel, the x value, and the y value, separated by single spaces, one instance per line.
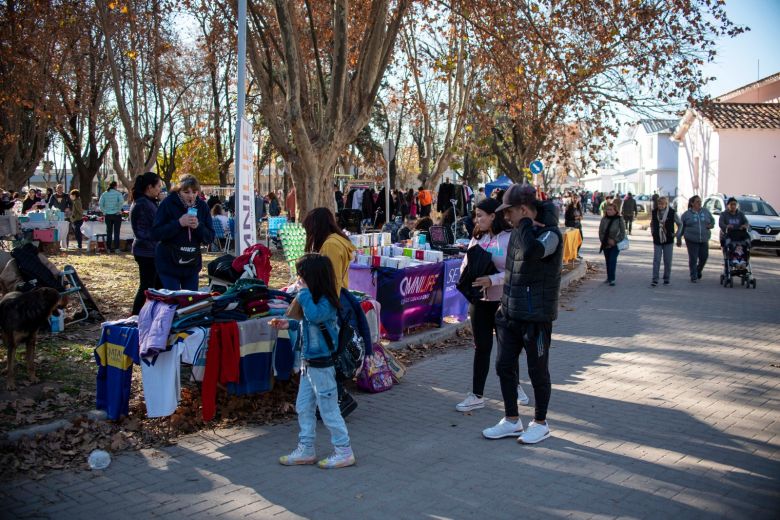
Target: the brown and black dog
pixel 21 315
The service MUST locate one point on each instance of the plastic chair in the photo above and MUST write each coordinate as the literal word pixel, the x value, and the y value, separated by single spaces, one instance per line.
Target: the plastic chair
pixel 220 234
pixel 73 288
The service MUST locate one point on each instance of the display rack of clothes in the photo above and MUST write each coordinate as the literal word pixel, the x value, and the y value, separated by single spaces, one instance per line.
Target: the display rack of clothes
pixel 448 192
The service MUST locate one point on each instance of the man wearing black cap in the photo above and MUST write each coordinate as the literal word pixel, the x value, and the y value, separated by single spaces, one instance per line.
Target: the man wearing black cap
pixel 529 305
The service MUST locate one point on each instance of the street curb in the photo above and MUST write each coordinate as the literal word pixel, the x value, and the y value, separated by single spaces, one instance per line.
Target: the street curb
pixel 575 274
pixel 43 429
pixel 430 335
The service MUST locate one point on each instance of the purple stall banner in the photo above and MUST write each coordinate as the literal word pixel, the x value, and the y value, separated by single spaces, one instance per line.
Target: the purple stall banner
pixel 454 304
pixel 409 297
pixel 362 279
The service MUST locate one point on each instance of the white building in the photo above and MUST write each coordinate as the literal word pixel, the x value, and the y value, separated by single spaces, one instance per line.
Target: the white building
pixel 647 159
pixel 732 146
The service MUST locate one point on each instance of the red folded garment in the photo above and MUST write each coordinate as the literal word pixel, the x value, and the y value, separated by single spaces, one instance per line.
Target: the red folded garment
pixel 256 307
pixel 222 359
pixel 183 300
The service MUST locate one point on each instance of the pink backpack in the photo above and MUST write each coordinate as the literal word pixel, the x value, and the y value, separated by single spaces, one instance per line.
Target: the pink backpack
pixel 376 375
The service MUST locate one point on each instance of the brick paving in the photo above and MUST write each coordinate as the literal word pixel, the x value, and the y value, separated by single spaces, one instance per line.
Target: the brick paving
pixel 665 404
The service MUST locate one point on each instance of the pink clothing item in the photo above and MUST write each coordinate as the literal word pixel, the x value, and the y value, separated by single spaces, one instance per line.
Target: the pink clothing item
pixel 496 246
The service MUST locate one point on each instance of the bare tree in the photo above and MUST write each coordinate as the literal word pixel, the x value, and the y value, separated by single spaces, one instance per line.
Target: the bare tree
pixel 318 66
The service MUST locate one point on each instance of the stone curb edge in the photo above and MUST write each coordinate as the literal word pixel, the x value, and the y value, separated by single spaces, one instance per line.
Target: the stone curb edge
pixel 440 334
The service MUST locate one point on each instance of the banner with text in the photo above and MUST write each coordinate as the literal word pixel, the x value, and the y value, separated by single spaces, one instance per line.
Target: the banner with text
pixel 409 297
pixel 246 223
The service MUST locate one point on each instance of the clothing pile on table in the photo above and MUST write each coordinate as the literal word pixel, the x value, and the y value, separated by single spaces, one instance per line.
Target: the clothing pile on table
pixel 227 339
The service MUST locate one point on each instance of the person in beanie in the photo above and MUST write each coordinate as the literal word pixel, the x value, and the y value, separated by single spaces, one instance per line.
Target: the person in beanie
pixel 529 305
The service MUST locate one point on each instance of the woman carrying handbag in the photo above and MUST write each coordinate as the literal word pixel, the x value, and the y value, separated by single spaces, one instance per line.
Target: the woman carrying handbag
pixel 612 231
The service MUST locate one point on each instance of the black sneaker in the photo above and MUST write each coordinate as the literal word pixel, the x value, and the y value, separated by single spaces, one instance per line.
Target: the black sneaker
pixel 653 284
pixel 347 404
pixel 666 282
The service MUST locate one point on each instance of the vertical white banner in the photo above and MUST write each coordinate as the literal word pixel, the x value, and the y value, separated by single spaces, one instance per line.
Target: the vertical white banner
pixel 246 222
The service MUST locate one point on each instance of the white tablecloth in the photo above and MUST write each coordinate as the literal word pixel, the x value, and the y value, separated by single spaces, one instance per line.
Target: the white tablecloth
pixel 90 229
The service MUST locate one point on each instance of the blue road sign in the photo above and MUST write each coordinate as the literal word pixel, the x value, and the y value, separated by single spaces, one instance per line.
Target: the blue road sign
pixel 536 167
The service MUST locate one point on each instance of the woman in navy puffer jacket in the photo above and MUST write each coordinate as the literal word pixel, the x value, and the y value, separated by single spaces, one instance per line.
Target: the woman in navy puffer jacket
pixel 182 225
pixel 146 191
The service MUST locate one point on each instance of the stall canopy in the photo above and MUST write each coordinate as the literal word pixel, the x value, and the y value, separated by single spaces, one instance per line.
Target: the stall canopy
pixel 503 182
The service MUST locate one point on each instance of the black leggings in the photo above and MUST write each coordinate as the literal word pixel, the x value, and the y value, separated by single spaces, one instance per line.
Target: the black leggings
pixel 534 337
pixel 147 274
pixel 483 323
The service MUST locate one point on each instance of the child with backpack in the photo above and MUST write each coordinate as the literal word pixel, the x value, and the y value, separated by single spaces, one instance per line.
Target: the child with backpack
pixel 318 316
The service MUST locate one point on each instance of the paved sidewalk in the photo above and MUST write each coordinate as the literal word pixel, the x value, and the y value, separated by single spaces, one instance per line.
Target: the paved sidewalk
pixel 665 405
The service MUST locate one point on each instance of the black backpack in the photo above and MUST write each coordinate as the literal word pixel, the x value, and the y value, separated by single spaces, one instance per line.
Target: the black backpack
pixel 349 354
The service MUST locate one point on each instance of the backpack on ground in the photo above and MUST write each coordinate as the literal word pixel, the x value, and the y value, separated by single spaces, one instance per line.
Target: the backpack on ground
pixel 376 375
pixel 396 367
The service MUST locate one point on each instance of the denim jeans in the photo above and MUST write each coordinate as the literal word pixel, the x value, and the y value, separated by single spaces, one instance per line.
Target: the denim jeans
pixel 610 257
pixel 698 253
pixel 318 390
pixel 665 251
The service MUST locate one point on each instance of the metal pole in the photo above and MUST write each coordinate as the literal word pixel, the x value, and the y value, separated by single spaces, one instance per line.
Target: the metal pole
pixel 241 101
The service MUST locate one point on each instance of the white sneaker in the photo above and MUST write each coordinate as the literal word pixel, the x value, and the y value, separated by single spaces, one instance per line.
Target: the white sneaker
pixel 535 433
pixel 504 428
pixel 471 402
pixel 340 458
pixel 522 398
pixel 300 455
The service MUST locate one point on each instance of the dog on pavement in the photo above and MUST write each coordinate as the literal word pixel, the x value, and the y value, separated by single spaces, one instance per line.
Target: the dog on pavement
pixel 21 315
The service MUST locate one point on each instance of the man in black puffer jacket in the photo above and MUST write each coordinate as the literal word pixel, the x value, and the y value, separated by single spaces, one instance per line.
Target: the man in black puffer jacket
pixel 529 305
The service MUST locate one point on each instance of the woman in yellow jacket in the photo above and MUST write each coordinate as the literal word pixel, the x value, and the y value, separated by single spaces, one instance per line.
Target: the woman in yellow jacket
pixel 324 236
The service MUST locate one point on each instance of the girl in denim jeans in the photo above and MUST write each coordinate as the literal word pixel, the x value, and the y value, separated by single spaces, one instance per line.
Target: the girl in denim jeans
pixel 319 306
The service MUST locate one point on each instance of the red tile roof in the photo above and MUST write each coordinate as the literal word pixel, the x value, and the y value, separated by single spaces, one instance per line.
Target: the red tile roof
pixel 742 115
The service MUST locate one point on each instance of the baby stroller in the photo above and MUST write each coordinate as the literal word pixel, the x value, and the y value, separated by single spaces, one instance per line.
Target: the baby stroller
pixel 736 259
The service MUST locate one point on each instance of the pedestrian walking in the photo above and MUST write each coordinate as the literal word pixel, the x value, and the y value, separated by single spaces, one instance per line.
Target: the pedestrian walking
pixel 629 211
pixel 611 231
pixel 319 303
pixel 529 305
pixel 144 196
pixel 111 202
pixel 491 234
pixel 181 225
pixel 664 225
pixel 697 223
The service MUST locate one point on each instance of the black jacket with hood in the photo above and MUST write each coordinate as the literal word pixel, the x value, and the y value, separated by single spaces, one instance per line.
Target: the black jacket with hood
pixel 533 270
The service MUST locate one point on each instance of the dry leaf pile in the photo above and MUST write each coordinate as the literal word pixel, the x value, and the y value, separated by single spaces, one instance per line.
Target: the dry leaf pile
pixel 410 354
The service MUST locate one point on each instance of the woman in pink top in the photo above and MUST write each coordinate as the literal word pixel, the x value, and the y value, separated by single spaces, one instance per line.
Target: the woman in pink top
pixel 491 233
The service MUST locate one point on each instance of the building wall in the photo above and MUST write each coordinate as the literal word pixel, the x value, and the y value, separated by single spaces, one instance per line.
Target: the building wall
pixel 750 163
pixel 697 161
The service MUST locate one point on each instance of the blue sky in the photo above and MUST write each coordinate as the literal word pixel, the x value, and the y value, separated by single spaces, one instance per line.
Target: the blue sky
pixel 738 59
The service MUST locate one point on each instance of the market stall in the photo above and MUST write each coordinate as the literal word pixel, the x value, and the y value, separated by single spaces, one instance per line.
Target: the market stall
pixel 91 228
pixel 413 286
